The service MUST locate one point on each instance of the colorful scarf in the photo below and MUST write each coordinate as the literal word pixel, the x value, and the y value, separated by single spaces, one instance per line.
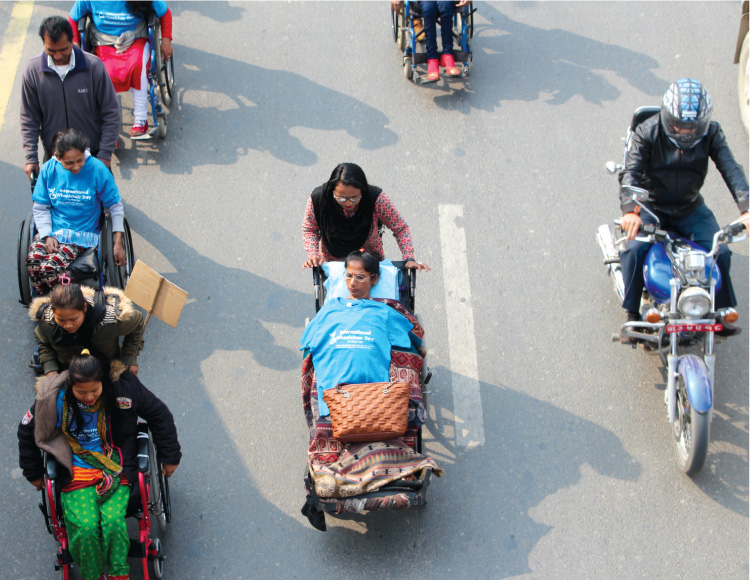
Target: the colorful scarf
pixel 107 462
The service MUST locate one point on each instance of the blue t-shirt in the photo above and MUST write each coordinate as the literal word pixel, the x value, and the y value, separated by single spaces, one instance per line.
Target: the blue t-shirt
pixel 89 437
pixel 76 199
pixel 112 17
pixel 351 340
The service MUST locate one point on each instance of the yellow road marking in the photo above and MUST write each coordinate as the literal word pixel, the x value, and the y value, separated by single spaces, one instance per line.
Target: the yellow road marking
pixel 11 51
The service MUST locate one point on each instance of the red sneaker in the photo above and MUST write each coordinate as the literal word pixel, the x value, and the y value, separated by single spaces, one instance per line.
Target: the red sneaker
pixel 433 70
pixel 139 130
pixel 447 62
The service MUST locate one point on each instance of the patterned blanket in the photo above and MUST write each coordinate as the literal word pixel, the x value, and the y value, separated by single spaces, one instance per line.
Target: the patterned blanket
pixel 340 470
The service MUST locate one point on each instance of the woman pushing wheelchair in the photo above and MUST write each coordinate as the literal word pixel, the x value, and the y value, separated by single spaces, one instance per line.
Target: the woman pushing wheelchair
pixel 87 419
pixel 346 214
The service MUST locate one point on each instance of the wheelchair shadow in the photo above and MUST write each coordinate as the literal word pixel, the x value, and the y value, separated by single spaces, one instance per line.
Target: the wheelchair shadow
pixel 517 62
pixel 487 506
pixel 255 109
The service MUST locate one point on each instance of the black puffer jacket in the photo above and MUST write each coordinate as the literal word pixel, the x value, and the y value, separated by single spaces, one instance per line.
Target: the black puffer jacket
pixel 38 428
pixel 675 176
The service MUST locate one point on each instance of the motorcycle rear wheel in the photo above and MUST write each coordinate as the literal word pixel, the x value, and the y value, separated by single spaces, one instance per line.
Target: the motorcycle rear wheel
pixel 691 431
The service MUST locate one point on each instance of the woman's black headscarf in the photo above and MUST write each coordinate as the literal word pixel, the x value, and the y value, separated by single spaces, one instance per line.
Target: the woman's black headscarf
pixel 342 235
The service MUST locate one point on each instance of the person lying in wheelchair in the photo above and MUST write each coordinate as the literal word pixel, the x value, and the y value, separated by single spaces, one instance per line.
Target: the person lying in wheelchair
pixel 73 317
pixel 87 419
pixel 68 198
pixel 119 37
pixel 359 340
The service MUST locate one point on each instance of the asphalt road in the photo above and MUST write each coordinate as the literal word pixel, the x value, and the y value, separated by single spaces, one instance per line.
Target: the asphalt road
pixel 576 476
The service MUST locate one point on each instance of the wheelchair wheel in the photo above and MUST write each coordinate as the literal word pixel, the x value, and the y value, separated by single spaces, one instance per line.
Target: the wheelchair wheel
pixel 24 242
pixel 395 24
pixel 115 275
pixel 408 70
pixel 161 130
pixel 164 70
pixel 157 564
pixel 158 496
pixel 468 15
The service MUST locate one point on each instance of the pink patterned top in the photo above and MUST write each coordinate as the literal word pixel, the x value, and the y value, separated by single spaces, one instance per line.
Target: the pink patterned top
pixel 385 213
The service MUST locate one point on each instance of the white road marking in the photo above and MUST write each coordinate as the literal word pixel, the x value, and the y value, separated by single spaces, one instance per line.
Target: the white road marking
pixel 467 399
pixel 11 51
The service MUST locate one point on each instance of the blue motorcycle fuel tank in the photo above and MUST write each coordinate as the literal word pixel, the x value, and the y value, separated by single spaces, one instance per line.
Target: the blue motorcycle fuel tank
pixel 657 271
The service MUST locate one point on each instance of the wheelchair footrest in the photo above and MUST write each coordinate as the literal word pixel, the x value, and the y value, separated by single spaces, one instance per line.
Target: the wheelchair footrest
pixel 137 549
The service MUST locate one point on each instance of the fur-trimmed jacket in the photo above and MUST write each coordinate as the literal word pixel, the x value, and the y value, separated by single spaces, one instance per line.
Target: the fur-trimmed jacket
pixel 121 318
pixel 38 429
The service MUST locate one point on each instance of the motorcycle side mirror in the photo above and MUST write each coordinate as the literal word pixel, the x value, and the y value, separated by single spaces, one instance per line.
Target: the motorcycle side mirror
pixel 637 193
pixel 611 166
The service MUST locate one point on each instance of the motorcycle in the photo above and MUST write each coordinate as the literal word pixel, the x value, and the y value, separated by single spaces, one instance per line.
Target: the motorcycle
pixel 677 315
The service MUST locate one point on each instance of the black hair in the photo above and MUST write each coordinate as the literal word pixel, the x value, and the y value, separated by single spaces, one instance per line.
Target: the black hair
pixel 141 9
pixel 83 369
pixel 64 141
pixel 352 175
pixel 370 263
pixel 55 27
pixel 67 296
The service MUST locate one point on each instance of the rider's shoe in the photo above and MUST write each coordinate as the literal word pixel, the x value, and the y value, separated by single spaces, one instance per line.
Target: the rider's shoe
pixel 632 317
pixel 433 70
pixel 139 130
pixel 447 62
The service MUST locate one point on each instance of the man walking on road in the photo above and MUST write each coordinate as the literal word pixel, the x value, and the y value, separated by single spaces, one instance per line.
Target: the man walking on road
pixel 66 88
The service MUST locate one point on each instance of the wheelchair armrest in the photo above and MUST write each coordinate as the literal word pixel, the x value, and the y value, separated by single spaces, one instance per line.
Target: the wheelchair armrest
pixel 82 24
pixel 143 447
pixel 50 466
pixel 152 19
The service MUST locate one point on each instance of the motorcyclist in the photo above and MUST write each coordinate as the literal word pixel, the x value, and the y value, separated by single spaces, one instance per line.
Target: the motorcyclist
pixel 668 157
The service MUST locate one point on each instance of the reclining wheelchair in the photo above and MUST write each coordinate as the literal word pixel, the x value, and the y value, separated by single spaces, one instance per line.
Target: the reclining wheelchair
pixel 402 26
pixel 149 500
pixel 161 84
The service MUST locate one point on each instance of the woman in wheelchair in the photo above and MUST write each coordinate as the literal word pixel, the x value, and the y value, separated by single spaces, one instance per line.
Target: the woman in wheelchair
pixel 362 340
pixel 350 339
pixel 68 196
pixel 346 214
pixel 120 39
pixel 74 317
pixel 430 13
pixel 87 418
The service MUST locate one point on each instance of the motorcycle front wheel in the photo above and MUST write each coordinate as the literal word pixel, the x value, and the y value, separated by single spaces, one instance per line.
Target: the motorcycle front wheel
pixel 691 432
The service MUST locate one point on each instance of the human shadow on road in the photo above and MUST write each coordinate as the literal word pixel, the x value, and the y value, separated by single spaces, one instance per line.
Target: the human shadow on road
pixel 226 108
pixel 517 62
pixel 481 507
pixel 227 306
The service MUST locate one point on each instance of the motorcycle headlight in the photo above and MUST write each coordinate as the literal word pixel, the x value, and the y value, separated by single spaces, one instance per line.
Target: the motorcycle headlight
pixel 694 303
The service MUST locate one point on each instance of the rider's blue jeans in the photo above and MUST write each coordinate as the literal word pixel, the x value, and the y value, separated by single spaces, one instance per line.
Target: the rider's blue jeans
pixel 430 12
pixel 699 226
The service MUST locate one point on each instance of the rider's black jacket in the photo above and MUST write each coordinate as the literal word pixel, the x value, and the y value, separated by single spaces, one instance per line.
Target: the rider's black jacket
pixel 674 176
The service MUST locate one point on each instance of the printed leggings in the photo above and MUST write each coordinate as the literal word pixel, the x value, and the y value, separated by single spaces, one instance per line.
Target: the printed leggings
pixel 97 532
pixel 45 268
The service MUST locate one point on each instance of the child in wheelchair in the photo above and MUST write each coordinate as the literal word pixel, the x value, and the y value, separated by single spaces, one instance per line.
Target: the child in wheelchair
pixel 68 196
pixel 87 419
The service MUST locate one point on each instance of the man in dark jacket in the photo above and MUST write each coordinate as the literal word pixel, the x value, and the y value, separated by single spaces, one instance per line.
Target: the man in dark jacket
pixel 66 88
pixel 669 156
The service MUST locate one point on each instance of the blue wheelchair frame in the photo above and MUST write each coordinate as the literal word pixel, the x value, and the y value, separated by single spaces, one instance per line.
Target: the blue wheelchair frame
pixel 404 35
pixel 160 74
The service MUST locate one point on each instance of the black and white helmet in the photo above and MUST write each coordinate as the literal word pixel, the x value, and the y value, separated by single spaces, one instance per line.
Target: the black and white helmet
pixel 686 112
